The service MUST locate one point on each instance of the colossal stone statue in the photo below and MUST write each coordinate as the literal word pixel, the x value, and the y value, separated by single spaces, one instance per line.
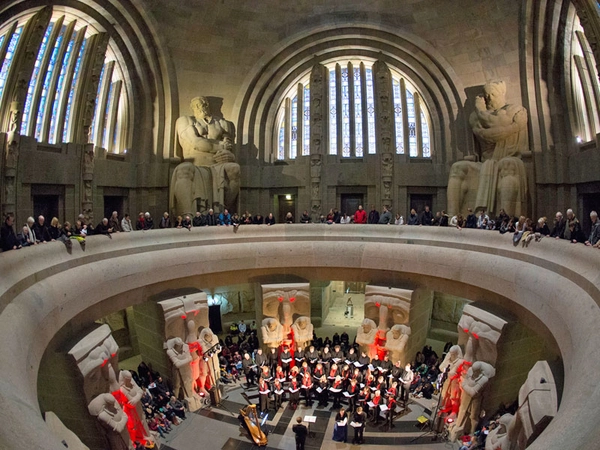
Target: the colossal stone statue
pixel 286 302
pixel 499 180
pixel 396 340
pixel 537 407
pixel 454 363
pixel 387 306
pixel 479 332
pixel 208 340
pixel 179 354
pixel 208 176
pixel 365 337
pixel 113 420
pixel 272 332
pixel 97 357
pixel 303 331
pixel 133 407
pixel 472 386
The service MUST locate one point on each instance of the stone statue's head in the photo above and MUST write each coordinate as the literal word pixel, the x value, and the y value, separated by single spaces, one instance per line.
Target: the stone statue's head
pixel 200 106
pixel 125 377
pixel 399 330
pixel 368 325
pixel 455 353
pixel 495 94
pixel 207 335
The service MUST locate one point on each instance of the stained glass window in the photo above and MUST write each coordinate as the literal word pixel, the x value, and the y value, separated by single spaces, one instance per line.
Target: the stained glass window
pixel 399 127
pixel 34 79
pixel 47 79
pixel 425 136
pixel 306 118
pixel 358 119
pixel 281 141
pixel 10 53
pixel 54 133
pixel 332 113
pixel 345 114
pixel 106 114
pixel 370 111
pixel 72 91
pixel 294 130
pixel 412 124
pixel 353 115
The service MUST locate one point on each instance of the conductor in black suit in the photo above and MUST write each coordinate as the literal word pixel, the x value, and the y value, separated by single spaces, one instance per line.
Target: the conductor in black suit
pixel 301 432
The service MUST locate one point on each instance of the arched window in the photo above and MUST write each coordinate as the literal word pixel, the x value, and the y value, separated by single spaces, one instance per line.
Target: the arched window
pixel 60 74
pixel 293 122
pixel 584 86
pixel 352 115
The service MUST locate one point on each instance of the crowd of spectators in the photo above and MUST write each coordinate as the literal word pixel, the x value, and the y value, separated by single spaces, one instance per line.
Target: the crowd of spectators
pixel 38 231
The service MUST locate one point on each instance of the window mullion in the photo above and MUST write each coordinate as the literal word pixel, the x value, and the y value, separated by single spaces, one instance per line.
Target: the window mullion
pixel 103 103
pixel 7 38
pixel 365 111
pixel 39 85
pixel 418 125
pixel 67 85
pixel 405 133
pixel 299 119
pixel 288 126
pixel 85 100
pixel 338 107
pixel 51 95
pixel 112 116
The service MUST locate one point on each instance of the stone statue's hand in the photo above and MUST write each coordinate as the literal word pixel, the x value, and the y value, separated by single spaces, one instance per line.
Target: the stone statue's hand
pixel 224 156
pixel 227 144
pixel 480 103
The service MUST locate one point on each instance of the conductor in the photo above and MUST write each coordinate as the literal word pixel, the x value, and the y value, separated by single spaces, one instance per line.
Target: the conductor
pixel 301 431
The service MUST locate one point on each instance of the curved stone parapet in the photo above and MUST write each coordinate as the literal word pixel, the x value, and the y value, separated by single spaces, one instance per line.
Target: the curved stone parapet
pixel 553 287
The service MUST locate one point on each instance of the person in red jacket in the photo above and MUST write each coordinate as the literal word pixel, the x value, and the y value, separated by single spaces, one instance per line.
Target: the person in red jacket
pixel 360 216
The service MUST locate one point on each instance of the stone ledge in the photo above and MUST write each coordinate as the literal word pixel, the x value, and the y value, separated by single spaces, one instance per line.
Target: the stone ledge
pixel 42 288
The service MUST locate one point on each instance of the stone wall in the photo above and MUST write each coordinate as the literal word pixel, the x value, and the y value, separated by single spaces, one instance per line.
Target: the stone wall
pixel 419 321
pixel 445 315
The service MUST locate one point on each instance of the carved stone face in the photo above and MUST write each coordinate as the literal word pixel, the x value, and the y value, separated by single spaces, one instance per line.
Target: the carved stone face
pixel 494 99
pixel 200 107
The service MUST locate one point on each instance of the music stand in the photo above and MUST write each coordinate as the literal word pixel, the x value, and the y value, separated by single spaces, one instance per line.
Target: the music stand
pixel 309 420
pixel 430 424
pixel 217 400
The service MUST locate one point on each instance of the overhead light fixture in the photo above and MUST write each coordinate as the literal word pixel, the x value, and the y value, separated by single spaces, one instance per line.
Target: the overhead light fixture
pixel 288 196
pixel 578 139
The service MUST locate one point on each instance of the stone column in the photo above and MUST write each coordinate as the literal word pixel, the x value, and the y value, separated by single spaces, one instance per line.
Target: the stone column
pixel 385 125
pixel 318 88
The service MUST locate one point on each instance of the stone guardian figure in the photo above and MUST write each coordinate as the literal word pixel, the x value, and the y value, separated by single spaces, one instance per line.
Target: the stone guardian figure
pixel 499 180
pixel 208 177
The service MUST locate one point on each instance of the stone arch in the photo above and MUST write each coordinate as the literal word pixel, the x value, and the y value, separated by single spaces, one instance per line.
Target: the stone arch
pixel 150 74
pixel 264 87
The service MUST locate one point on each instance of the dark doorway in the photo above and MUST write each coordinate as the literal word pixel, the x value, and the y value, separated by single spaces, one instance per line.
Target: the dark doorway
pixel 113 203
pixel 287 203
pixel 419 201
pixel 47 206
pixel 350 202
